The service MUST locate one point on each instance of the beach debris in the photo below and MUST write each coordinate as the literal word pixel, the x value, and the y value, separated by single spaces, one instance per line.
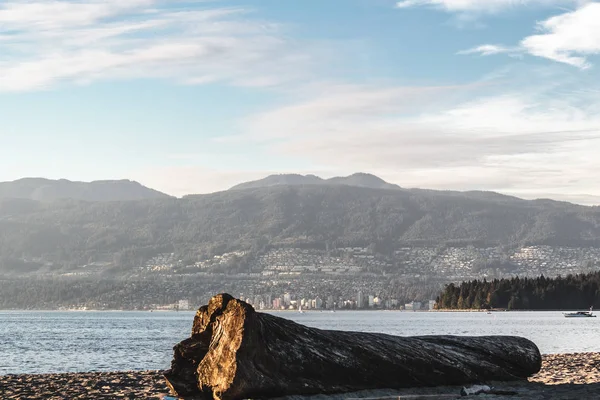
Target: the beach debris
pixel 235 352
pixel 475 390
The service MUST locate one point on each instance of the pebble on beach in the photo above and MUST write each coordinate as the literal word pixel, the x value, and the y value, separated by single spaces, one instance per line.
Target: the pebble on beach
pixel 92 385
pixel 561 369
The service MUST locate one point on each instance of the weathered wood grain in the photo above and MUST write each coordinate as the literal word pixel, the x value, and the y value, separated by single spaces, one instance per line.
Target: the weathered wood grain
pixel 235 353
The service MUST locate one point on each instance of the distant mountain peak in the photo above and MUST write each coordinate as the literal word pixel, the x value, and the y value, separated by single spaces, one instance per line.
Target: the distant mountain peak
pixel 359 179
pixel 362 179
pixel 43 189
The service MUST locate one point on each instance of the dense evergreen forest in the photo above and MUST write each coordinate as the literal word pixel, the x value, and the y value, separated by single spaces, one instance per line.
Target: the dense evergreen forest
pixel 570 292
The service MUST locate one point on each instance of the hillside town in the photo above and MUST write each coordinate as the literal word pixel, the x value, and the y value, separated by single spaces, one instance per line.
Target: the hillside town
pixel 358 278
pixel 451 263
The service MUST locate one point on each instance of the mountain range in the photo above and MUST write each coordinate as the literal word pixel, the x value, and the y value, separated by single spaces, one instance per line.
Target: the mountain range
pixel 45 190
pixel 72 232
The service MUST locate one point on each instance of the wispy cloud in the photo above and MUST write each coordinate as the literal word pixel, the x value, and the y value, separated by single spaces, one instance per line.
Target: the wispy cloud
pixel 482 6
pixel 524 140
pixel 487 50
pixel 536 137
pixel 46 42
pixel 569 38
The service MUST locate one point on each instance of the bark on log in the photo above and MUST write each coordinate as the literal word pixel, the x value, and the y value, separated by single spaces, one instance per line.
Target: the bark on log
pixel 235 353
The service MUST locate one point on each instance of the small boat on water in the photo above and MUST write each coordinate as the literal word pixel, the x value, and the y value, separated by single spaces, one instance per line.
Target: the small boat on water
pixel 581 314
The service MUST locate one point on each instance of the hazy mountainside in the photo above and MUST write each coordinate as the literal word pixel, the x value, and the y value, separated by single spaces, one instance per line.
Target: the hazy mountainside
pixel 75 233
pixel 44 190
pixel 359 180
pixel 280 180
pixel 362 180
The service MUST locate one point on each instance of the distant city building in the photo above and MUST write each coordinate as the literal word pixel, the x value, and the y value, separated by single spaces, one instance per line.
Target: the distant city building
pixel 276 303
pixel 268 300
pixel 412 306
pixel 330 302
pixel 432 304
pixel 318 303
pixel 287 299
pixel 360 301
pixel 377 301
pixel 183 305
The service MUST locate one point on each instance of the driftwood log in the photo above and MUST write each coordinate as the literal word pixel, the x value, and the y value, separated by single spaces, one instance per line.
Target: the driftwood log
pixel 236 353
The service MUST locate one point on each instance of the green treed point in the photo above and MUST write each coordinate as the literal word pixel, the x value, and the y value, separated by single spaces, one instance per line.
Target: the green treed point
pixel 571 292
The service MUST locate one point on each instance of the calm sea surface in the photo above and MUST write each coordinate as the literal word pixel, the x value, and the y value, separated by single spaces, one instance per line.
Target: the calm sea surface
pixel 44 342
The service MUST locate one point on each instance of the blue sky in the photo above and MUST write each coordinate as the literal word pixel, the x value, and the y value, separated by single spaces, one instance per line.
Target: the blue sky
pixel 196 96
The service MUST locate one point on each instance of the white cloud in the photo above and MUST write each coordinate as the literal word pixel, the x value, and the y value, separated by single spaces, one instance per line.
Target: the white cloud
pixel 524 141
pixel 481 6
pixel 530 142
pixel 568 38
pixel 45 42
pixel 486 50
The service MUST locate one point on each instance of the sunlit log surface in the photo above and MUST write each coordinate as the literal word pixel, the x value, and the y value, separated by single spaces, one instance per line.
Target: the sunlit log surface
pixel 235 353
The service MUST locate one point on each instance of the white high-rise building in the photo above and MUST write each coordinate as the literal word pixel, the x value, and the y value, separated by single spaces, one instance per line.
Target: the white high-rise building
pixel 318 303
pixel 268 300
pixel 330 302
pixel 360 301
pixel 183 305
pixel 432 304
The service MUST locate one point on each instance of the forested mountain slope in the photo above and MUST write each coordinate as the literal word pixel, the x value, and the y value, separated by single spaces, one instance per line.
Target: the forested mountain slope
pixel 310 215
pixel 41 189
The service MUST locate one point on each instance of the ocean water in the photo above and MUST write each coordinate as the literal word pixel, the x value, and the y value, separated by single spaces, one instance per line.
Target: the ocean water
pixel 49 342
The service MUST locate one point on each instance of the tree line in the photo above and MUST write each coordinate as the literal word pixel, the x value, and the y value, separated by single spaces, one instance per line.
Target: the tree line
pixel 570 292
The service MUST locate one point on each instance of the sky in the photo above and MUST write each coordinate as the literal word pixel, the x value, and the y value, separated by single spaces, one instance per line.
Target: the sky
pixel 194 96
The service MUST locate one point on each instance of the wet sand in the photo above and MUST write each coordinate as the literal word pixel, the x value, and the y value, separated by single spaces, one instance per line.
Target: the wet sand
pixel 565 376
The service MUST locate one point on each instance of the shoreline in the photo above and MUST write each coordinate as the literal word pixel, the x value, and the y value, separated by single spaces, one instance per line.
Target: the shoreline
pixel 568 376
pixel 309 311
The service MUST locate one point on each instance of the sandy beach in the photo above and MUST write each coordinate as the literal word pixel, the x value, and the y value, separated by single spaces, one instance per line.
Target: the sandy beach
pixel 93 385
pixel 564 376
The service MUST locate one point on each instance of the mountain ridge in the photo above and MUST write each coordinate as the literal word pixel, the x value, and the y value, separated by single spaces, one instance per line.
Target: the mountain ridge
pixel 48 190
pixel 359 179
